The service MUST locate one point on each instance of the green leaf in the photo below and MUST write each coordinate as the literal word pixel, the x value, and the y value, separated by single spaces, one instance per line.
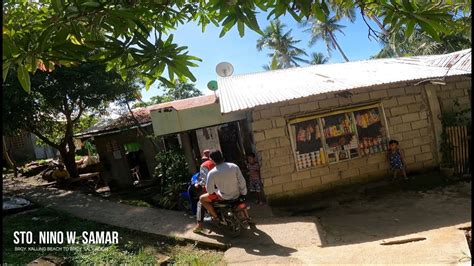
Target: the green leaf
pixel 148 83
pixel 318 12
pixel 57 6
pixel 240 27
pixel 6 67
pixel 430 30
pixel 45 37
pixel 410 28
pixel 407 5
pixel 91 4
pixel 166 82
pixel 24 78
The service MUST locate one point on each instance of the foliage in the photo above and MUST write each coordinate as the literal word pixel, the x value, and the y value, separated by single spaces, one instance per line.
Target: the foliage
pixel 194 256
pixel 57 101
pixel 285 53
pixel 318 59
pixel 324 30
pixel 173 171
pixel 85 122
pixel 113 256
pixel 45 33
pixel 179 91
pixel 170 199
pixel 273 64
pixel 420 43
pixel 457 117
pixel 134 248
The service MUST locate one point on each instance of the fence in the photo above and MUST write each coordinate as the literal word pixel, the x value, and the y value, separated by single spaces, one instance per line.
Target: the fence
pixel 460 138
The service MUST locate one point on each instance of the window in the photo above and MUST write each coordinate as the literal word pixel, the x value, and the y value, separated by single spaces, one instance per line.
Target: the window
pixel 338 136
pixel 18 141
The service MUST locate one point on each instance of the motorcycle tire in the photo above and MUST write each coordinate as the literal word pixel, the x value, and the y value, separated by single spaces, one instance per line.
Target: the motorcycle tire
pixel 234 227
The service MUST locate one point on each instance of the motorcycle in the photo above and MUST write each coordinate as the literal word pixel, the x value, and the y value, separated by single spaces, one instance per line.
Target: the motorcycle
pixel 233 215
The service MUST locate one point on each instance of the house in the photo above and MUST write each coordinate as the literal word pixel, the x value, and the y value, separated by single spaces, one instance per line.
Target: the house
pixel 122 143
pixel 192 125
pixel 320 127
pixel 200 125
pixel 23 147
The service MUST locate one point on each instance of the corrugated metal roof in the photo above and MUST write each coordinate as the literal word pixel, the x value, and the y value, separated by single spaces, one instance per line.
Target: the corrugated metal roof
pixel 246 91
pixel 126 121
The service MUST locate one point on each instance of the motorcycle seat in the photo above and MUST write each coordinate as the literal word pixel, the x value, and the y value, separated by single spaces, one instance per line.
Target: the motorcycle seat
pixel 226 202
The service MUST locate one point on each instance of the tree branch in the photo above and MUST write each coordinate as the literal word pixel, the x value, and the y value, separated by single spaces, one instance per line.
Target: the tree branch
pixel 43 138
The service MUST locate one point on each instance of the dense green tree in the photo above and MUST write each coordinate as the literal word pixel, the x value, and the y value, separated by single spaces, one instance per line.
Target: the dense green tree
pixel 57 103
pixel 282 45
pixel 179 91
pixel 44 33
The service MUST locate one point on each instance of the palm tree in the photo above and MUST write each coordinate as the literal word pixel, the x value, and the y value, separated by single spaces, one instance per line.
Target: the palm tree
pixel 324 30
pixel 283 45
pixel 273 64
pixel 342 11
pixel 317 58
pixel 420 43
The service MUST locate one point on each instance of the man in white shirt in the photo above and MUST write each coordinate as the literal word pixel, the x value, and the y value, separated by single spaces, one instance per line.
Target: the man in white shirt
pixel 224 182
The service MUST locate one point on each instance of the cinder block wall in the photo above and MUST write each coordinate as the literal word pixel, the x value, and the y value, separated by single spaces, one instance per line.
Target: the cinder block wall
pixel 409 121
pixel 457 88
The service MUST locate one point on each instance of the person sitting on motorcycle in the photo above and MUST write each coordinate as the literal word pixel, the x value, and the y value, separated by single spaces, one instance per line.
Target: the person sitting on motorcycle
pixel 206 166
pixel 224 182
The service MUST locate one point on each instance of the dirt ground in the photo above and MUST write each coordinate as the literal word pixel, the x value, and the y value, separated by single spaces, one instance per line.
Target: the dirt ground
pixel 404 227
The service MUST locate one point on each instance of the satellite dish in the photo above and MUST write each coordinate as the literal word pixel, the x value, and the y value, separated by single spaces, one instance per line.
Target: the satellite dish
pixel 224 69
pixel 212 85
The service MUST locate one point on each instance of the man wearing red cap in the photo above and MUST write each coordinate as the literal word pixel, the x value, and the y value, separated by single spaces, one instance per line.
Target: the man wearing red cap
pixel 206 166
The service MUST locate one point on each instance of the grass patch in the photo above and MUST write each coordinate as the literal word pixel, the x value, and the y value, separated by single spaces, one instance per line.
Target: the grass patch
pixel 134 248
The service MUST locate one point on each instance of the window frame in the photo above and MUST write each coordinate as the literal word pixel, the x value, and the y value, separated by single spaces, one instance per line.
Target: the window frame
pixel 350 111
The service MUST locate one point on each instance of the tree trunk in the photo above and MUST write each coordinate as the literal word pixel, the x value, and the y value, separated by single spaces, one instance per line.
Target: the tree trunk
pixel 140 131
pixel 338 47
pixel 69 161
pixel 7 157
pixel 69 154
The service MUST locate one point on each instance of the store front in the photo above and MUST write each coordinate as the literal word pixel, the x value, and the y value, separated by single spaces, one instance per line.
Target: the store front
pixel 329 138
pixel 323 127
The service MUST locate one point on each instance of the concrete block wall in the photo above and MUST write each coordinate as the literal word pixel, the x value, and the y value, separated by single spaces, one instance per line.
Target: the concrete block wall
pixel 457 88
pixel 408 120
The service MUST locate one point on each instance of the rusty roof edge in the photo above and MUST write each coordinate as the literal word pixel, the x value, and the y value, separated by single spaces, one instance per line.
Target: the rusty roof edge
pixel 109 131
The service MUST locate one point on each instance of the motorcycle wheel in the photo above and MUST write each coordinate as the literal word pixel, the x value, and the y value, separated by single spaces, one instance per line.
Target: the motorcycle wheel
pixel 234 227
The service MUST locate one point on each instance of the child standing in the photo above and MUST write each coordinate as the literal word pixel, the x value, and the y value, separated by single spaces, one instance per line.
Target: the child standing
pixel 255 181
pixel 396 159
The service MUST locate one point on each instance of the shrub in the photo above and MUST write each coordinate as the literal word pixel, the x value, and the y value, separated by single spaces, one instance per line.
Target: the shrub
pixel 172 170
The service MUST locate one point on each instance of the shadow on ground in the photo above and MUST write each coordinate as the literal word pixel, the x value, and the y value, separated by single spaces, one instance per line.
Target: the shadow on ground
pixel 413 210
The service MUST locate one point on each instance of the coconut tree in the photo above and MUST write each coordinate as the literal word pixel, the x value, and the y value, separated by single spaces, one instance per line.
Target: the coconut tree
pixel 273 65
pixel 325 30
pixel 318 58
pixel 420 43
pixel 282 45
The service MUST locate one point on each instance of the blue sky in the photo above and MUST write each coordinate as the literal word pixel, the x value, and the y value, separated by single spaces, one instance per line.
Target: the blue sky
pixel 245 58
